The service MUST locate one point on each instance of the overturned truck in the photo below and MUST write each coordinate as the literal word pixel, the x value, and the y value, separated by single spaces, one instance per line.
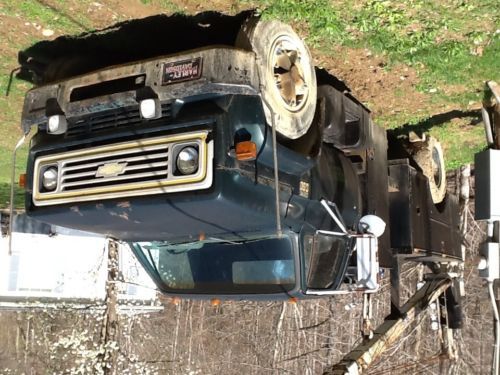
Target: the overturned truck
pixel 229 163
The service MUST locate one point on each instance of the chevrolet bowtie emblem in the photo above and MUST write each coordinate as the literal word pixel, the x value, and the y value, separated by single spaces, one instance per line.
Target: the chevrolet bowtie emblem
pixel 111 170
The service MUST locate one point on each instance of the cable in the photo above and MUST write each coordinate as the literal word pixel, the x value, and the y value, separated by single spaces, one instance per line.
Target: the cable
pixel 11 78
pixel 259 153
pixel 496 353
pixel 276 171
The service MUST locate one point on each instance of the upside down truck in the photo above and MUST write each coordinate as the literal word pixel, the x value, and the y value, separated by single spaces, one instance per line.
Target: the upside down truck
pixel 229 163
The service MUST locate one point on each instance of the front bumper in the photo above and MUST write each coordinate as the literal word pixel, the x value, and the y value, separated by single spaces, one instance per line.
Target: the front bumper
pixel 217 71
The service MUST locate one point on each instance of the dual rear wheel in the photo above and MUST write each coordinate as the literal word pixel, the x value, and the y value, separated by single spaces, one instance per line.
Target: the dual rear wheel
pixel 428 154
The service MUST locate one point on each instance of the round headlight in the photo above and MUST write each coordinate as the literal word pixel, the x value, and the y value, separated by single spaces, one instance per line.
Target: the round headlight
pixel 49 179
pixel 187 160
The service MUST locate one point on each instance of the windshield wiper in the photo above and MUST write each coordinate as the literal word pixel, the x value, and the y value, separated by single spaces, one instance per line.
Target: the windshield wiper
pixel 153 264
pixel 180 248
pixel 137 249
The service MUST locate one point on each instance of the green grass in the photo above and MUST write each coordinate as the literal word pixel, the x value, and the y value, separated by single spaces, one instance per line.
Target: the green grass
pixel 447 42
pixel 453 63
pixel 167 5
pixel 59 18
pixel 5 175
pixel 322 21
pixel 460 144
pixel 10 132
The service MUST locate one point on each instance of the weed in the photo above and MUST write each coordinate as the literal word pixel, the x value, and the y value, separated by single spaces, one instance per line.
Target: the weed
pixel 322 21
pixel 165 4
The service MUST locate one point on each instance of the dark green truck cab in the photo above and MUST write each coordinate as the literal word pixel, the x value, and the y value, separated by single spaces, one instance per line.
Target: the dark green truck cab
pixel 175 154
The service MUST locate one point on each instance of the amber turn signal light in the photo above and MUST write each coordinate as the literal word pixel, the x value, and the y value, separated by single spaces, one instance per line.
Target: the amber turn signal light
pixel 22 180
pixel 246 150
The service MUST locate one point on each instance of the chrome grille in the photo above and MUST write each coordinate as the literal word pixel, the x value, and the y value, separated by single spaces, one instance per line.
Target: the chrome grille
pixel 143 164
pixel 140 167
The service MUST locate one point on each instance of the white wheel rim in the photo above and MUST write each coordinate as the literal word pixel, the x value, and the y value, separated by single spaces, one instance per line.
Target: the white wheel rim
pixel 436 167
pixel 290 68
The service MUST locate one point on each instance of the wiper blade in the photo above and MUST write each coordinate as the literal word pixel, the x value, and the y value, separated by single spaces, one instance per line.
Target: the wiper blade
pixel 153 264
pixel 180 248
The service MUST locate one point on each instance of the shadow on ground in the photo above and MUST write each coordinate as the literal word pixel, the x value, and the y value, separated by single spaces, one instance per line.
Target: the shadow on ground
pixel 427 124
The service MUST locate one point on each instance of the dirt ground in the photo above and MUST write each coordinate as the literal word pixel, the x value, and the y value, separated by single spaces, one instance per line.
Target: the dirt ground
pixel 384 91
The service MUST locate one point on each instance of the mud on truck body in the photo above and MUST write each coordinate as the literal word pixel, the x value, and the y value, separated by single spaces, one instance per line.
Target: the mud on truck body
pixel 172 148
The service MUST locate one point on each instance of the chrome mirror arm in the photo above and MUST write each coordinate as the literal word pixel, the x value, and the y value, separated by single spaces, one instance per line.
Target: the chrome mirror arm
pixel 12 182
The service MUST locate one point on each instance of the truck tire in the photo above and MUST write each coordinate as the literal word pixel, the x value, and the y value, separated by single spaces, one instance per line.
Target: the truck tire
pixel 286 72
pixel 428 155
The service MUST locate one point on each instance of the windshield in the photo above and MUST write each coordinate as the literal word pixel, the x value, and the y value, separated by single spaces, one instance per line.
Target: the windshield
pixel 205 267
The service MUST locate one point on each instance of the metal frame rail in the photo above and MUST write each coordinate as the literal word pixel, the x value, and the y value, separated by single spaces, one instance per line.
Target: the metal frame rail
pixel 390 330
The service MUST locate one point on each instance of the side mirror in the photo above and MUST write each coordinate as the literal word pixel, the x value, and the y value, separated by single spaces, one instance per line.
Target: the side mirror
pixel 367 265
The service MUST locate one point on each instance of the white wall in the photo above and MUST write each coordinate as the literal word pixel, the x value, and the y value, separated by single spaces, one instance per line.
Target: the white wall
pixel 66 266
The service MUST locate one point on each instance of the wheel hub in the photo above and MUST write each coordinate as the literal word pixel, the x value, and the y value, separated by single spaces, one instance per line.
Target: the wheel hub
pixel 436 169
pixel 287 68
